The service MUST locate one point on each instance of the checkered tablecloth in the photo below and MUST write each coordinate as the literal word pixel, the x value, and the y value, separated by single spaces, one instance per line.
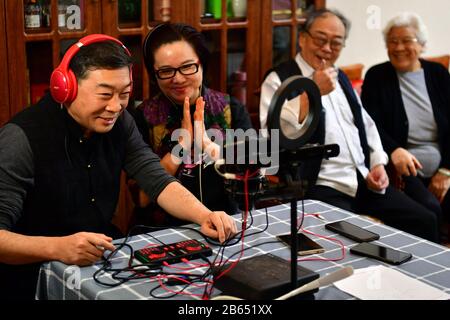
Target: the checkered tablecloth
pixel 430 262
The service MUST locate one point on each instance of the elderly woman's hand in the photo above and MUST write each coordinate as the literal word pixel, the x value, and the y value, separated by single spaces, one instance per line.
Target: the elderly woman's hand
pixel 439 186
pixel 405 163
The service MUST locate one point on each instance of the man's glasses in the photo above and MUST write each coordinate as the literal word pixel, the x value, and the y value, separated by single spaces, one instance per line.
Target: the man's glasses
pixel 335 44
pixel 186 69
pixel 407 42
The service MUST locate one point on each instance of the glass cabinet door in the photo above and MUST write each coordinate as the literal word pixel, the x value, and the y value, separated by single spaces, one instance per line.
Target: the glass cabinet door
pixel 229 26
pixel 237 64
pixel 286 9
pixel 281 44
pixel 36 15
pixel 129 13
pixel 281 24
pixel 160 10
pixel 212 11
pixel 67 16
pixel 38 70
pixel 61 16
pixel 130 21
pixel 37 43
pixel 71 15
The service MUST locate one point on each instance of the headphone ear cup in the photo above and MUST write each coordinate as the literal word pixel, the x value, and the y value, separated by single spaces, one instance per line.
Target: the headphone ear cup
pixel 63 86
pixel 72 86
pixel 59 85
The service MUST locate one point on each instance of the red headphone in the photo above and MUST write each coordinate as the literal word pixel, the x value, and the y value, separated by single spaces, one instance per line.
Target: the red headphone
pixel 63 83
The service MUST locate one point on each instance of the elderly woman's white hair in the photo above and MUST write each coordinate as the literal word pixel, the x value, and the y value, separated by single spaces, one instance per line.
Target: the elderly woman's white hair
pixel 408 19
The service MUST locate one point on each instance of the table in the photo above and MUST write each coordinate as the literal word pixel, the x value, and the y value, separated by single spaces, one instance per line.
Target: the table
pixel 430 262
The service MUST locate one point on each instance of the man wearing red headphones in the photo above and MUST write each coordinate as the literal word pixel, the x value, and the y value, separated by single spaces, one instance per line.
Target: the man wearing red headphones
pixel 60 166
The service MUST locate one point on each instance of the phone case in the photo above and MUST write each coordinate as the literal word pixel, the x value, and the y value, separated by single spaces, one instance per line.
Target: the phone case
pixel 359 250
pixel 313 248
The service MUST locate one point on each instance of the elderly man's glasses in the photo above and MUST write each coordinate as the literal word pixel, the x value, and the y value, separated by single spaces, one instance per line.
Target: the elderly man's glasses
pixel 185 69
pixel 407 42
pixel 321 41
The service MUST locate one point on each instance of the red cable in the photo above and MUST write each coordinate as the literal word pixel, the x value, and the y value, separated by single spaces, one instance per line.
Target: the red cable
pixel 327 238
pixel 175 292
pixel 244 227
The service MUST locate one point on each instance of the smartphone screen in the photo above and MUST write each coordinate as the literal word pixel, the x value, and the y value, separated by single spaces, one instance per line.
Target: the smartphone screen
pixel 352 231
pixel 305 245
pixel 378 252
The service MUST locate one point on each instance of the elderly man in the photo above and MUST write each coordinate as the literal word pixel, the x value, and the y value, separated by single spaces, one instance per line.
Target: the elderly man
pixel 356 180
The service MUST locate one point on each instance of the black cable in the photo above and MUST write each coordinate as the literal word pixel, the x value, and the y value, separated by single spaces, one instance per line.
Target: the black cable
pixel 143 271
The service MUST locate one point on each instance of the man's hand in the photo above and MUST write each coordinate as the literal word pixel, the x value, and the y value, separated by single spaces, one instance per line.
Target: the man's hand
pixel 439 186
pixel 304 107
pixel 405 163
pixel 218 225
pixel 325 78
pixel 82 248
pixel 377 179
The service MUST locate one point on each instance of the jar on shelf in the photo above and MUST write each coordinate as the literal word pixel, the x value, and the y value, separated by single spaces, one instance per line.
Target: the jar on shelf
pixel 239 8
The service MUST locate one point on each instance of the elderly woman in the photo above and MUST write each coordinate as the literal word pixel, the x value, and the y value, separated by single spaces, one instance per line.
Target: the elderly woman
pixel 176 57
pixel 409 99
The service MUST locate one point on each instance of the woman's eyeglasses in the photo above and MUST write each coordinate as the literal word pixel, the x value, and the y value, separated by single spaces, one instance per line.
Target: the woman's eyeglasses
pixel 407 42
pixel 186 69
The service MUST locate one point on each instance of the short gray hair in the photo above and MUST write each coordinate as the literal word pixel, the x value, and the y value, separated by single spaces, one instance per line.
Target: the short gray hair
pixel 322 13
pixel 408 19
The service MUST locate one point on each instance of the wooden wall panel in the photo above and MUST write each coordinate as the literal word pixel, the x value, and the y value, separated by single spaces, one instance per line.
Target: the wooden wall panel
pixel 4 83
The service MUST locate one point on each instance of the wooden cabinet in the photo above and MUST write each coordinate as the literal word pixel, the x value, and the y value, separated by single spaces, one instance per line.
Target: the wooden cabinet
pixel 246 38
pixel 4 88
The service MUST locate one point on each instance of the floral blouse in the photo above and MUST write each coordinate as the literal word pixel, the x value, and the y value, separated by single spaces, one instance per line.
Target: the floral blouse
pixel 163 117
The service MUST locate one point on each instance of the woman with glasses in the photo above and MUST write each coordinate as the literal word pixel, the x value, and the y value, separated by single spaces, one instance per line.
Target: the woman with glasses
pixel 409 99
pixel 176 57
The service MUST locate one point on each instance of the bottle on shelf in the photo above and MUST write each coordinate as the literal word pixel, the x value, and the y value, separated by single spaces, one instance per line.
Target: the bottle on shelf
pixel 33 13
pixel 62 11
pixel 46 14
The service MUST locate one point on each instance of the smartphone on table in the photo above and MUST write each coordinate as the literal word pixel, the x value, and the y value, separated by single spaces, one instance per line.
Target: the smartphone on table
pixel 381 253
pixel 352 231
pixel 305 245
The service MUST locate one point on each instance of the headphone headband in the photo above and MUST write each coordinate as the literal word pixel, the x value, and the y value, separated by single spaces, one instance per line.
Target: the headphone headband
pixel 63 83
pixel 146 40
